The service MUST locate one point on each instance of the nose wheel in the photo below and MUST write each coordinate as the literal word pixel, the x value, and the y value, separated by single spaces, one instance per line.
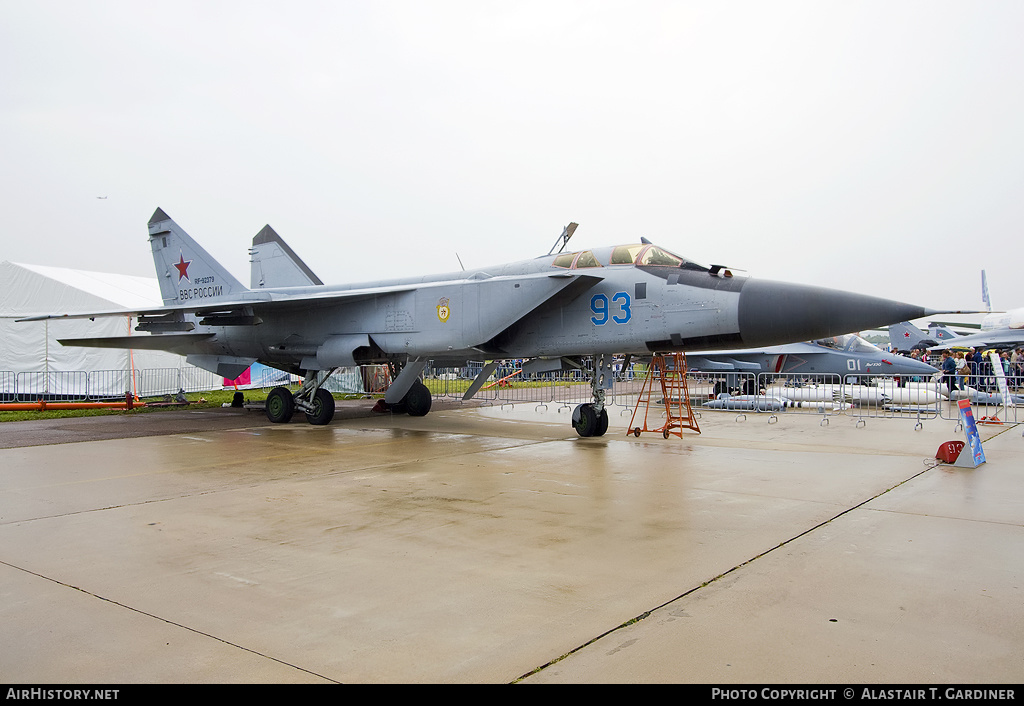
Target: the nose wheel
pixel 587 421
pixel 591 419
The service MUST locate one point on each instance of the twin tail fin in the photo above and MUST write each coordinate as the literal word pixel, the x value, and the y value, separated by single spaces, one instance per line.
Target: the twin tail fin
pixel 186 272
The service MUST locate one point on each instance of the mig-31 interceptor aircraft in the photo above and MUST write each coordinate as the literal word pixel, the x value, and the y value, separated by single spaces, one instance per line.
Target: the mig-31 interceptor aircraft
pixel 634 299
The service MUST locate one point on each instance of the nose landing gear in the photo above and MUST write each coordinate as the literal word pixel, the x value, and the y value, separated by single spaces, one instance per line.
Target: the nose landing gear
pixel 591 419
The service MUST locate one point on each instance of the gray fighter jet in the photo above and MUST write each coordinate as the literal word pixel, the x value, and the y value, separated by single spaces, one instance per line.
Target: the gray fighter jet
pixel 1006 333
pixel 631 299
pixel 938 338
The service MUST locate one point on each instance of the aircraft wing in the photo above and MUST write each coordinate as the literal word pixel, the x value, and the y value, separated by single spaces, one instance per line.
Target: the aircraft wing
pixel 283 299
pixel 176 333
pixel 957 324
pixel 245 303
pixel 219 307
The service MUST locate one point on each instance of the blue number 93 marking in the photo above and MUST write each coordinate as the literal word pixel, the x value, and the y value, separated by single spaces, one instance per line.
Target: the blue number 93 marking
pixel 602 309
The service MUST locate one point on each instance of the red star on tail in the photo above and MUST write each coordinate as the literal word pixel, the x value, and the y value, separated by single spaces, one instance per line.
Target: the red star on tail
pixel 182 266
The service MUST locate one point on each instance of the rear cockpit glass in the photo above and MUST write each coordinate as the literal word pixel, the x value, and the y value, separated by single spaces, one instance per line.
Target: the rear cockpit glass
pixel 625 254
pixel 576 260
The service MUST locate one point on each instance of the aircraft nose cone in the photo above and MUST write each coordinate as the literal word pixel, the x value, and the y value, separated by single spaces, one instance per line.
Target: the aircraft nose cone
pixel 773 313
pixel 900 365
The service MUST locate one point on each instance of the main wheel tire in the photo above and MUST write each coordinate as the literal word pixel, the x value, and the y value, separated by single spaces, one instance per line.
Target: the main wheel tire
pixel 584 420
pixel 280 405
pixel 602 423
pixel 323 408
pixel 417 400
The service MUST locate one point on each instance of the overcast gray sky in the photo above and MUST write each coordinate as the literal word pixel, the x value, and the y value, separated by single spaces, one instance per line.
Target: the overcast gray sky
pixel 871 146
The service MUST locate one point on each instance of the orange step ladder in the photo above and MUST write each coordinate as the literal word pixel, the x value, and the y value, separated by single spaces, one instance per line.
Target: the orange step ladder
pixel 668 372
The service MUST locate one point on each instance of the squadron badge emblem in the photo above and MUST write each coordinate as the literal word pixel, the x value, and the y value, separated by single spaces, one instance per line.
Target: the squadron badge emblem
pixel 443 310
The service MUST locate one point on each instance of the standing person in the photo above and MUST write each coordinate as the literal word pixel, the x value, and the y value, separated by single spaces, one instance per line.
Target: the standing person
pixel 949 372
pixel 961 370
pixel 978 368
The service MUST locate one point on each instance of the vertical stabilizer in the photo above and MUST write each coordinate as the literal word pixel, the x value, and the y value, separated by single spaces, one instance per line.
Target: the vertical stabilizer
pixel 984 292
pixel 904 336
pixel 186 272
pixel 274 264
pixel 939 332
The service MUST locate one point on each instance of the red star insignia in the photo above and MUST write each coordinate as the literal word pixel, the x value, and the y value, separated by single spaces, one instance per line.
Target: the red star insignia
pixel 906 334
pixel 182 267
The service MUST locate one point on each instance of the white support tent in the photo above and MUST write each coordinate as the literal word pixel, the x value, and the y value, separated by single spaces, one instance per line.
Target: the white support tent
pixel 30 350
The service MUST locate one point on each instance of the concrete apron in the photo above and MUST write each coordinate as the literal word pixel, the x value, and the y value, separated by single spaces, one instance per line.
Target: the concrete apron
pixel 481 545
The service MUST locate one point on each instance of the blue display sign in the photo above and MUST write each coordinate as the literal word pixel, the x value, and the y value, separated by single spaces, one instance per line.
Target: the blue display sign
pixel 972 455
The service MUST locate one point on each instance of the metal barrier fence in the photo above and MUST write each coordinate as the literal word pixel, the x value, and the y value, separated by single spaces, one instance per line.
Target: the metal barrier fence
pixel 507 386
pixel 69 386
pixel 81 386
pixel 8 385
pixel 863 397
pixel 986 396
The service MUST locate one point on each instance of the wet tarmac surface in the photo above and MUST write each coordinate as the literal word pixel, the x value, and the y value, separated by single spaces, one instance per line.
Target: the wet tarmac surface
pixel 490 545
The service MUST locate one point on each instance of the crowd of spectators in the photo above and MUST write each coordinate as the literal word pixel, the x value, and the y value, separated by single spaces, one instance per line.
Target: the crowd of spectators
pixel 973 367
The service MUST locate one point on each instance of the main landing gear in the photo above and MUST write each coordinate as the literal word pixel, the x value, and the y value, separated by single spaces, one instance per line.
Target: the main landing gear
pixel 406 394
pixel 311 399
pixel 591 419
pixel 317 403
pixel 415 403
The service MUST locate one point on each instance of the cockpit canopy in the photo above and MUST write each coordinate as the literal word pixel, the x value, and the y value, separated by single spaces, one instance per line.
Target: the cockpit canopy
pixel 641 254
pixel 850 343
